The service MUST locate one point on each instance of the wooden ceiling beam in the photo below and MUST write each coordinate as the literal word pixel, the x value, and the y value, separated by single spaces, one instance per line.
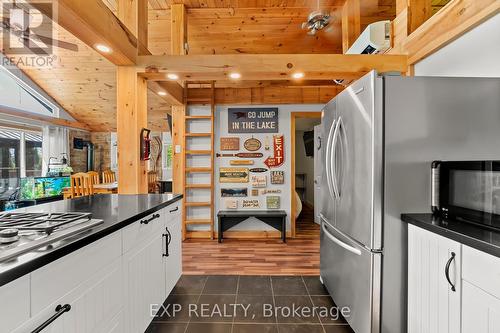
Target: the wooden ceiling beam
pixel 174 91
pixel 351 23
pixel 46 119
pixel 268 66
pixel 94 23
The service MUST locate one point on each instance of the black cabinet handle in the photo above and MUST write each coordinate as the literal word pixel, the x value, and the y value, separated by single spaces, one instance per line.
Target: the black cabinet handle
pixel 146 221
pixel 175 209
pixel 60 310
pixel 447 271
pixel 168 239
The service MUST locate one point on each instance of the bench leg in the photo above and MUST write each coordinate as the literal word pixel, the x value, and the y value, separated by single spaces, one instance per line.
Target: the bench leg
pixel 283 230
pixel 219 227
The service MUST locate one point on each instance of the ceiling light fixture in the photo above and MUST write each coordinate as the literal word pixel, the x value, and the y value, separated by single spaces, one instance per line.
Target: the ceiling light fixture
pixel 162 93
pixel 298 75
pixel 103 48
pixel 173 76
pixel 235 75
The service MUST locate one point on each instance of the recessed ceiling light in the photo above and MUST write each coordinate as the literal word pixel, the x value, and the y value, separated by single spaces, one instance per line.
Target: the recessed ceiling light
pixel 298 75
pixel 235 75
pixel 162 93
pixel 173 76
pixel 103 48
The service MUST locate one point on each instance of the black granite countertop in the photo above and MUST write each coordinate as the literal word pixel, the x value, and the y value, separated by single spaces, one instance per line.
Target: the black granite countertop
pixel 462 232
pixel 116 211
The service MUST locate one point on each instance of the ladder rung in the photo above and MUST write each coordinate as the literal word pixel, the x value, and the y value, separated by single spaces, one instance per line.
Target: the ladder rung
pixel 198 186
pixel 198 117
pixel 199 221
pixel 199 152
pixel 198 134
pixel 197 204
pixel 199 169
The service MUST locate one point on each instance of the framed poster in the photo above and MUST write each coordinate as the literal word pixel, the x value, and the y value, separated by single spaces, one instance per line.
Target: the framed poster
pixel 252 120
pixel 234 192
pixel 273 202
pixel 259 181
pixel 278 177
pixel 250 203
pixel 229 143
pixel 233 175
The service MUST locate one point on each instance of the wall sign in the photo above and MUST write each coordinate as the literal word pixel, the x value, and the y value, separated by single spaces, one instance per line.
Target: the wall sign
pixel 252 144
pixel 273 202
pixel 241 155
pixel 277 177
pixel 257 170
pixel 229 143
pixel 251 203
pixel 279 152
pixel 233 175
pixel 271 191
pixel 241 162
pixel 234 192
pixel 253 120
pixel 266 143
pixel 259 181
pixel 231 203
pixel 255 192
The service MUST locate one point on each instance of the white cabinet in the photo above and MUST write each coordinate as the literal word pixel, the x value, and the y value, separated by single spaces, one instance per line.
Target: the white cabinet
pixel 14 303
pixel 480 310
pixel 434 282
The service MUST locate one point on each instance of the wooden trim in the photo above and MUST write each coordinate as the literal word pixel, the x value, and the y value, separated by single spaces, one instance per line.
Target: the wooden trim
pixel 268 66
pixel 93 23
pixel 264 234
pixel 47 119
pixel 351 23
pixel 293 118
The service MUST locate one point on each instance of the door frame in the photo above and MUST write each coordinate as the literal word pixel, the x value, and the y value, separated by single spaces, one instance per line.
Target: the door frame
pixel 293 118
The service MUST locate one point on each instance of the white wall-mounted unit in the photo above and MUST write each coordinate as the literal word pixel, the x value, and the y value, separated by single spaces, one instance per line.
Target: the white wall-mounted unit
pixel 376 38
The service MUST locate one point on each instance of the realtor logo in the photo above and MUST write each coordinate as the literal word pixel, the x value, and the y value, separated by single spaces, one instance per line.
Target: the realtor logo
pixel 25 30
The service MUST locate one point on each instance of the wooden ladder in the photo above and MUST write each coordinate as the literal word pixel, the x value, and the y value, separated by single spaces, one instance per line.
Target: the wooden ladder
pixel 208 169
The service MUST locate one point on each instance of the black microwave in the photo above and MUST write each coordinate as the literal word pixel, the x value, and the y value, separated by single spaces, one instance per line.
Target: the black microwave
pixel 467 191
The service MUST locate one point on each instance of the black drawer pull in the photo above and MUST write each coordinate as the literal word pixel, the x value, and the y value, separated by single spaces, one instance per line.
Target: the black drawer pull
pixel 447 271
pixel 60 310
pixel 175 209
pixel 146 221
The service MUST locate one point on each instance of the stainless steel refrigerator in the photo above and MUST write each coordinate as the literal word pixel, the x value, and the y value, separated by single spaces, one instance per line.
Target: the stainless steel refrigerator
pixel 381 135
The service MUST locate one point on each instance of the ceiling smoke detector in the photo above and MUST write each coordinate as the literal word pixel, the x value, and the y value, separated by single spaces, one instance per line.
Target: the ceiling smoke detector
pixel 317 20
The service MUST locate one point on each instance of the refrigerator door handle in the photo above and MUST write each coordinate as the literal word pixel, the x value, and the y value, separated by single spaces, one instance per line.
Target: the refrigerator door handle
pixel 338 241
pixel 328 161
pixel 334 157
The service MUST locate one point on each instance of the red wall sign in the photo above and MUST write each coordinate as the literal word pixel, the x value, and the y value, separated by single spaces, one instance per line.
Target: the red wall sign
pixel 279 152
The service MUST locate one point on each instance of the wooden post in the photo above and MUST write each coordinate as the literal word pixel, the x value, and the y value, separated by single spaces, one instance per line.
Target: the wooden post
pixel 178 134
pixel 134 15
pixel 178 29
pixel 351 23
pixel 132 116
pixel 419 11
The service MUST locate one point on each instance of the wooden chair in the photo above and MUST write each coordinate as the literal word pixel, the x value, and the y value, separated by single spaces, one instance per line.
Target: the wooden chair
pixel 152 181
pixel 94 176
pixel 81 185
pixel 108 176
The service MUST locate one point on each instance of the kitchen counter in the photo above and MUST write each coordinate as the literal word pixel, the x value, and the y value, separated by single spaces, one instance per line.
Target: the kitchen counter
pixel 116 211
pixel 462 232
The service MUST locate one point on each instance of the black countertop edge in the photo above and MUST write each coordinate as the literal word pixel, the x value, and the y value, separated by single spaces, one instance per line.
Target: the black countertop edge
pixel 462 232
pixel 101 232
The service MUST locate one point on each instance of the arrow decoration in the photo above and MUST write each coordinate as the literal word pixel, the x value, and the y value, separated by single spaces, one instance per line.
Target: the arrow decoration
pixel 279 152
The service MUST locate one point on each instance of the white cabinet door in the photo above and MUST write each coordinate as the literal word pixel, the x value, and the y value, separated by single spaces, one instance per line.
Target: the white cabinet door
pixel 14 303
pixel 480 310
pixel 144 276
pixel 433 305
pixel 174 254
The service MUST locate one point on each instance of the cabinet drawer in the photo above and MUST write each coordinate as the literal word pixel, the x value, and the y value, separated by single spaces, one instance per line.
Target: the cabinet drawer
pixel 51 282
pixel 482 270
pixel 14 304
pixel 174 213
pixel 137 233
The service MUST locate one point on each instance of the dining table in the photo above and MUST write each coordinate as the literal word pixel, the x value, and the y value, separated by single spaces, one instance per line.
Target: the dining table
pixel 103 188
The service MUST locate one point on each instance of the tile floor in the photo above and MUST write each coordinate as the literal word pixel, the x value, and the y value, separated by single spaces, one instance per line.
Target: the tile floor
pixel 206 304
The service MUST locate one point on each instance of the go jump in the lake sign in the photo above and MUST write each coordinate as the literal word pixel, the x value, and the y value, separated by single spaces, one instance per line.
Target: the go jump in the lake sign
pixel 253 120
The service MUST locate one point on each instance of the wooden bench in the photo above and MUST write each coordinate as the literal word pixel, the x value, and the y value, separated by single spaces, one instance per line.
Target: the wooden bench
pixel 229 218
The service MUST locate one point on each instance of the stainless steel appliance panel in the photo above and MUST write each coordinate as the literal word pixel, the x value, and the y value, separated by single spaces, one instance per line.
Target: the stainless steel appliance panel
pixel 329 114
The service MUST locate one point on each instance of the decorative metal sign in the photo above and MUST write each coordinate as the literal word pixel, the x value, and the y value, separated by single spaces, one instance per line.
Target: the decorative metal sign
pixel 231 203
pixel 277 177
pixel 251 203
pixel 234 192
pixel 273 202
pixel 253 120
pixel 229 143
pixel 271 191
pixel 241 155
pixel 279 152
pixel 258 170
pixel 255 192
pixel 252 144
pixel 259 181
pixel 233 175
pixel 241 162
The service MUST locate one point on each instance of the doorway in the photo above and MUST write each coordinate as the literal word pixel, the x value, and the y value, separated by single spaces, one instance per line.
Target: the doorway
pixel 303 173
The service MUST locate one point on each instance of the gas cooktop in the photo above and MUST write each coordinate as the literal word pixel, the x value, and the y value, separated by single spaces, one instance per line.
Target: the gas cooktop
pixel 24 232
